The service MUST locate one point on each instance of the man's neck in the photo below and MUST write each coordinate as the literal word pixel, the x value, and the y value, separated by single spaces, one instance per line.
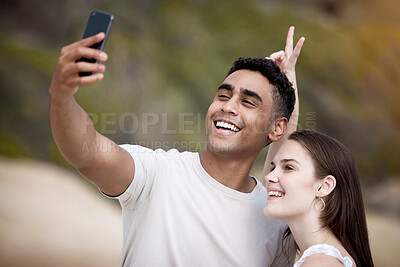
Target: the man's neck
pixel 230 170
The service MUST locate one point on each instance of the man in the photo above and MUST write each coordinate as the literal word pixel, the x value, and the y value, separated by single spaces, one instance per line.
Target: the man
pixel 186 209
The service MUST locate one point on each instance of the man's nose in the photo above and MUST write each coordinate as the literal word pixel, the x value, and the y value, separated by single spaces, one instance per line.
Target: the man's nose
pixel 230 107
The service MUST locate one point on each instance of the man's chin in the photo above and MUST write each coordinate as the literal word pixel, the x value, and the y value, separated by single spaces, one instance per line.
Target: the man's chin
pixel 222 148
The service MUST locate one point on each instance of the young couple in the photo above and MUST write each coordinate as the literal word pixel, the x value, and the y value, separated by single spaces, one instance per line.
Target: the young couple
pixel 204 209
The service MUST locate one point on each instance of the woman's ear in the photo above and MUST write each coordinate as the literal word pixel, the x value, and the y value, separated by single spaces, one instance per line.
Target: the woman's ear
pixel 278 130
pixel 327 186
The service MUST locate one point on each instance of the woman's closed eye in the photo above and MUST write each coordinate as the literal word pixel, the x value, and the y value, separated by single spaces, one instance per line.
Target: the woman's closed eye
pixel 289 168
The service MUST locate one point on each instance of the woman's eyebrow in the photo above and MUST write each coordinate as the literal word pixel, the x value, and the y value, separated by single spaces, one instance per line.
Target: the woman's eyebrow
pixel 288 160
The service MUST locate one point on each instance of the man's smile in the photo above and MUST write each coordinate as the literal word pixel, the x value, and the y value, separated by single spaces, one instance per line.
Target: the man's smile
pixel 226 125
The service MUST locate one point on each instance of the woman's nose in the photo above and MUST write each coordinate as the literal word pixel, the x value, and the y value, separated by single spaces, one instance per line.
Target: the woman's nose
pixel 271 178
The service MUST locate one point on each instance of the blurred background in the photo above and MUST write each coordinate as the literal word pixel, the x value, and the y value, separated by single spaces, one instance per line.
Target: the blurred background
pixel 166 60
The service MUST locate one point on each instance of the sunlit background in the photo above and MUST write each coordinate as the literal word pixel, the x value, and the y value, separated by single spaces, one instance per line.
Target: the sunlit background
pixel 166 60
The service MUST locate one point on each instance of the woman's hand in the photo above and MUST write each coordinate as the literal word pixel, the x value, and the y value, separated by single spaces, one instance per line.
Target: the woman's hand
pixel 286 60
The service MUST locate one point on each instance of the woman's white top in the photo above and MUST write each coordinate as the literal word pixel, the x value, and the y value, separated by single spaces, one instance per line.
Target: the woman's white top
pixel 324 249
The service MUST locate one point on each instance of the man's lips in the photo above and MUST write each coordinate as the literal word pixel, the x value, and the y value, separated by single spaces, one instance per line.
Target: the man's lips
pixel 220 124
pixel 225 124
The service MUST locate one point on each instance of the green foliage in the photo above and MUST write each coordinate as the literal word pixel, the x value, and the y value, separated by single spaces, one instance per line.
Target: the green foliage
pixel 168 57
pixel 10 148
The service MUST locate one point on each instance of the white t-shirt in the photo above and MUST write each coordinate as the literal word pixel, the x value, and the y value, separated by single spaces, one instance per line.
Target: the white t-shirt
pixel 175 214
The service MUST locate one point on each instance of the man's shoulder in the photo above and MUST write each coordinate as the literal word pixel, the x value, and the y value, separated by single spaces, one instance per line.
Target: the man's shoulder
pixel 134 148
pixel 171 158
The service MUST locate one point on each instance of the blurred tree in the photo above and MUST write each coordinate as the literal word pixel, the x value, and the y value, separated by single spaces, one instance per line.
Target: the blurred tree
pixel 168 57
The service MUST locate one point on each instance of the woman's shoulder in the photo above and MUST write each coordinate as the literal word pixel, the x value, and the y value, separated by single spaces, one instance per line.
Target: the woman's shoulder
pixel 321 260
pixel 323 255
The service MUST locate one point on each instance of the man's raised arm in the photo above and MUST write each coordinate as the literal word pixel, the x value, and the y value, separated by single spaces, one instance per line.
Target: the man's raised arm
pixel 95 156
pixel 286 60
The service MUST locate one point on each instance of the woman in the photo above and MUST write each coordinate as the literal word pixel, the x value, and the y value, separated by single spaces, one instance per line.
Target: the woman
pixel 314 187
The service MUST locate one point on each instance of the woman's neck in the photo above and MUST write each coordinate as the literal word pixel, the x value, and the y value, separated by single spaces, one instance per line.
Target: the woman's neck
pixel 308 231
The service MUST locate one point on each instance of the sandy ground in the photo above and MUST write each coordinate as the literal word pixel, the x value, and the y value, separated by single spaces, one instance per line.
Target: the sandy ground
pixel 384 236
pixel 51 217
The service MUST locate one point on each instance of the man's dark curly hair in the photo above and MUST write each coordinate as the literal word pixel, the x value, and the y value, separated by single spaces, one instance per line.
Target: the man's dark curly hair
pixel 283 97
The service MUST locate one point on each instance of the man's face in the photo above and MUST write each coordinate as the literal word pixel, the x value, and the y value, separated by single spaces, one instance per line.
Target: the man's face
pixel 238 119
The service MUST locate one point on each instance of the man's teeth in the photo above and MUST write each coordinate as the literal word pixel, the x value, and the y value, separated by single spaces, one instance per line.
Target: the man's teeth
pixel 275 193
pixel 228 126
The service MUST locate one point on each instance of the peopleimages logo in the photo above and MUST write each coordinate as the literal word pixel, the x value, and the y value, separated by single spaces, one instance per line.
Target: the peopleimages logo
pixel 164 145
pixel 131 123
pixel 187 123
pixel 174 124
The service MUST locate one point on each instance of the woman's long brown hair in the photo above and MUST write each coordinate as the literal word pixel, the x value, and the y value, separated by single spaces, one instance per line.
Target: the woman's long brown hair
pixel 344 213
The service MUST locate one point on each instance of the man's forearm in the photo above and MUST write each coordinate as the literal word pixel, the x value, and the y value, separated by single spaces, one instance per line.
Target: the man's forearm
pixel 95 156
pixel 73 131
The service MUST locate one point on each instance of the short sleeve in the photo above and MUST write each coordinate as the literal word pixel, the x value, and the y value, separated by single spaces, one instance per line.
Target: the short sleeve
pixel 144 182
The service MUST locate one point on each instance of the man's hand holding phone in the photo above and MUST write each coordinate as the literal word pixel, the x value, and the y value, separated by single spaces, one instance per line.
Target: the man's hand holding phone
pixel 66 79
pixel 78 63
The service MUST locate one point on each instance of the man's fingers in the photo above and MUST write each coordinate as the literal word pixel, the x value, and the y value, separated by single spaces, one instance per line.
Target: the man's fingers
pixel 82 66
pixel 289 41
pixel 84 52
pixel 89 41
pixel 70 52
pixel 86 80
pixel 91 79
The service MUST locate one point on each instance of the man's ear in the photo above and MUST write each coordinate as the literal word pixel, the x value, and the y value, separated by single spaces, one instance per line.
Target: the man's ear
pixel 278 129
pixel 327 186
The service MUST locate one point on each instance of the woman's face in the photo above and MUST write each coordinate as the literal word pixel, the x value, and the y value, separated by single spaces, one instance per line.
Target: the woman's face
pixel 291 184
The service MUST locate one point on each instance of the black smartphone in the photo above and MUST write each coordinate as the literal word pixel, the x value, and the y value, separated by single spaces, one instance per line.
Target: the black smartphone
pixel 99 21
